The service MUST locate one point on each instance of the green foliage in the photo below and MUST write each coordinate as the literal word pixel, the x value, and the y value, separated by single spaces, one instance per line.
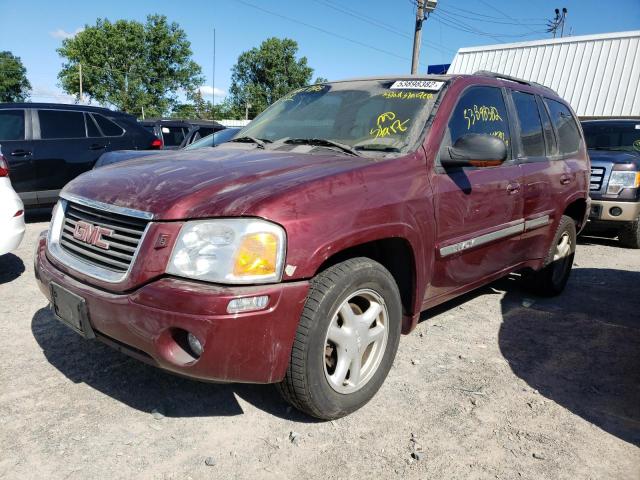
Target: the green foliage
pixel 131 65
pixel 321 80
pixel 14 86
pixel 264 74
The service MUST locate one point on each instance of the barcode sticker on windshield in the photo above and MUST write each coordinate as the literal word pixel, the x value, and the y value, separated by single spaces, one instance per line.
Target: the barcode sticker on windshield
pixel 416 85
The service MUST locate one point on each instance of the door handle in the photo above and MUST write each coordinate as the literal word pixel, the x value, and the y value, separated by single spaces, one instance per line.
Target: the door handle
pixel 513 188
pixel 20 153
pixel 565 179
pixel 97 146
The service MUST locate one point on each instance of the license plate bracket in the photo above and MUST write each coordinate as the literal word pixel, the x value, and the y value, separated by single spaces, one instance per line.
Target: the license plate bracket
pixel 71 309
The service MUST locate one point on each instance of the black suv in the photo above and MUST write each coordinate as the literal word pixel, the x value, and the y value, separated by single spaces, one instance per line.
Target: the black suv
pixel 49 144
pixel 177 133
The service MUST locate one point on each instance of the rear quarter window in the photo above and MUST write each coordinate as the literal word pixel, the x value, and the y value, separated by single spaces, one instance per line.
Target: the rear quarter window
pixel 109 128
pixel 11 125
pixel 566 126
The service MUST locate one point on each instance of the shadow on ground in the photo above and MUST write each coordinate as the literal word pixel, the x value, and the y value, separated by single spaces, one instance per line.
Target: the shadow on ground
pixel 11 267
pixel 581 349
pixel 145 387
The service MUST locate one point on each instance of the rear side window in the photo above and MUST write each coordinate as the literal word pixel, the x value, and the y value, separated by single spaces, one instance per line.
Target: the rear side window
pixel 11 125
pixel 109 128
pixel 530 124
pixel 568 132
pixel 480 110
pixel 92 130
pixel 59 124
pixel 549 136
pixel 173 136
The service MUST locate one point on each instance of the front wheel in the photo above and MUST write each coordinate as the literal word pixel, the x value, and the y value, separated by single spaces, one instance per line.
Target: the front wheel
pixel 346 341
pixel 553 277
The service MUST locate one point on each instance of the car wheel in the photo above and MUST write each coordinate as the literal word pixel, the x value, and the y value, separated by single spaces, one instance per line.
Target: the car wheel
pixel 629 235
pixel 552 278
pixel 346 340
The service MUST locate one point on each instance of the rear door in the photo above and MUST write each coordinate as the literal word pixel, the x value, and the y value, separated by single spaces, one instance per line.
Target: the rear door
pixel 63 150
pixel 478 210
pixel 537 153
pixel 15 129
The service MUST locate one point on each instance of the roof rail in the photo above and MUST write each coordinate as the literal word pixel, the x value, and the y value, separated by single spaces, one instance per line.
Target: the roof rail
pixel 502 76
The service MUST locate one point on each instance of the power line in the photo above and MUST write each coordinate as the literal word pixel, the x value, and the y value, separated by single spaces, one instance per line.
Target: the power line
pixel 451 21
pixel 486 20
pixel 484 2
pixel 537 19
pixel 320 29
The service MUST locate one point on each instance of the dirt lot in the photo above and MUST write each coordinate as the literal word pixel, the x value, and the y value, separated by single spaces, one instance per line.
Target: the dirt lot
pixel 496 385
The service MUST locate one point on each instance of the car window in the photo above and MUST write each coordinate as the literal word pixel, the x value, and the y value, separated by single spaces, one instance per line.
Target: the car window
pixel 173 136
pixel 568 132
pixel 11 125
pixel 109 128
pixel 549 136
pixel 480 110
pixel 59 124
pixel 92 130
pixel 530 124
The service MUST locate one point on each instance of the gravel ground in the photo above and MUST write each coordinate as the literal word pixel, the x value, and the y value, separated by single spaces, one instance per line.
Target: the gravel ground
pixel 498 384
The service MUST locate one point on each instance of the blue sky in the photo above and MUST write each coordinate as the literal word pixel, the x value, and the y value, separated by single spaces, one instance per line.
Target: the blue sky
pixel 332 34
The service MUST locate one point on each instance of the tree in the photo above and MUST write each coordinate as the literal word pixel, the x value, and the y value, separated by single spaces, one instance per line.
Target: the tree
pixel 14 86
pixel 264 74
pixel 131 65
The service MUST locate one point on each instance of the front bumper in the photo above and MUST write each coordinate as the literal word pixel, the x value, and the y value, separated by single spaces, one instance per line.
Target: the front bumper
pixel 601 211
pixel 250 347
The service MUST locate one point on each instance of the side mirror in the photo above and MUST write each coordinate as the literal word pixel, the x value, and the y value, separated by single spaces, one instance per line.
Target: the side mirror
pixel 476 150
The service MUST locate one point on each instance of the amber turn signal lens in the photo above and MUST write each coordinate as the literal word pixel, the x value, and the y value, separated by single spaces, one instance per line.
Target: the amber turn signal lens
pixel 257 255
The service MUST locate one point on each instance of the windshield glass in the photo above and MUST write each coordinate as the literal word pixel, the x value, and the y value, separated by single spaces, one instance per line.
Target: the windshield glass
pixel 613 136
pixel 220 136
pixel 370 115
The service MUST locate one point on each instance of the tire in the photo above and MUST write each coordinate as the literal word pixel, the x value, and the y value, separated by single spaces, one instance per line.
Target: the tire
pixel 345 297
pixel 551 279
pixel 629 235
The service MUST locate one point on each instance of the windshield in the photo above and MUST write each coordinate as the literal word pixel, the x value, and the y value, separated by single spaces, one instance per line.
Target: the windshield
pixel 613 136
pixel 220 136
pixel 368 116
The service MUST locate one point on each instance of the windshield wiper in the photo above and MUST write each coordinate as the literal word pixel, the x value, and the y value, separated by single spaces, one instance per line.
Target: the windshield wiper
pixel 323 142
pixel 260 142
pixel 377 148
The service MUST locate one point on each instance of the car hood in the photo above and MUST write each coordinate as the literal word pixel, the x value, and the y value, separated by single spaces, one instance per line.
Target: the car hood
pixel 230 180
pixel 614 156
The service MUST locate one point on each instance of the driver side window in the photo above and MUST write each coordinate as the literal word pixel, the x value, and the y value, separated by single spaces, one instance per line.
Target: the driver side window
pixel 480 110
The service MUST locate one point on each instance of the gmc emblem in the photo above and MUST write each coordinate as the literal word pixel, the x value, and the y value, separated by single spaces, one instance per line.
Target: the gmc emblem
pixel 91 234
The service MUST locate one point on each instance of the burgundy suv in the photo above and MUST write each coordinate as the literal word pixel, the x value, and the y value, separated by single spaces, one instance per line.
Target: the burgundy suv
pixel 299 252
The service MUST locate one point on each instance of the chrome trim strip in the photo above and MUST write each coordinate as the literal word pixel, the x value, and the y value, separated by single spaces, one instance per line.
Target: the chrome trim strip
pixel 482 239
pixel 75 263
pixel 536 222
pixel 130 212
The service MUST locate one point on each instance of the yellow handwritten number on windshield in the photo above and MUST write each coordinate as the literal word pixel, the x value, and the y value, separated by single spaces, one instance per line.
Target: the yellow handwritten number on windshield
pixel 387 124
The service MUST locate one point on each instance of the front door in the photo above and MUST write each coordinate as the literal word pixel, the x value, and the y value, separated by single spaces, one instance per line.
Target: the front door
pixel 478 210
pixel 14 128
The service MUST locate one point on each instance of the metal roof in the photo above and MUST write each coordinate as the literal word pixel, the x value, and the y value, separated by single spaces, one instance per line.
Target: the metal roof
pixel 599 75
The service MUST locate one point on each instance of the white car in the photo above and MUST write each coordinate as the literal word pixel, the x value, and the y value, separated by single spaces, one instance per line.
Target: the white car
pixel 11 212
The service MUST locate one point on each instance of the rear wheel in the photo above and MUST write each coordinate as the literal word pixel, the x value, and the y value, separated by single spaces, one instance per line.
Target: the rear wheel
pixel 629 235
pixel 346 341
pixel 552 278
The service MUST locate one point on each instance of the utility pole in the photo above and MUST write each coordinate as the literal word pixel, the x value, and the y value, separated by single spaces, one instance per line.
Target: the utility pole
pixel 424 8
pixel 557 22
pixel 564 16
pixel 80 74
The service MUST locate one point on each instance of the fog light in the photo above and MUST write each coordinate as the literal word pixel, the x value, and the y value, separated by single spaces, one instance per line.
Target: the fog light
pixel 615 211
pixel 247 304
pixel 194 344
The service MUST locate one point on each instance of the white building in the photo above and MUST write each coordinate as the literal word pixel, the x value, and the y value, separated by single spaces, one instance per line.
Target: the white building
pixel 598 74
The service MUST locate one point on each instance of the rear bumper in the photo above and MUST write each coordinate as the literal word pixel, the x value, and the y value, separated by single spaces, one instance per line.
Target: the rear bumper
pixel 251 347
pixel 13 228
pixel 601 211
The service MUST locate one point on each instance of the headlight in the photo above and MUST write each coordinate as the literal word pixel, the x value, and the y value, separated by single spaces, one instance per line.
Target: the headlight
pixel 620 180
pixel 235 250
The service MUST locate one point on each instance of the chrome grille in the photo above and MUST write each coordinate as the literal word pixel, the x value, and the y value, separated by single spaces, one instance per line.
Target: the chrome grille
pixel 123 242
pixel 597 177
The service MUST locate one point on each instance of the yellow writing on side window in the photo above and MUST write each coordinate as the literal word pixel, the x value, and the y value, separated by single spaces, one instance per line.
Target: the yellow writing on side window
pixel 481 113
pixel 387 124
pixel 409 95
pixel 500 134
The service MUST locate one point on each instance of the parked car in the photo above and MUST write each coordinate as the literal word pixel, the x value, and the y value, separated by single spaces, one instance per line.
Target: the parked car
pixel 11 212
pixel 49 144
pixel 298 252
pixel 176 134
pixel 221 136
pixel 614 148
